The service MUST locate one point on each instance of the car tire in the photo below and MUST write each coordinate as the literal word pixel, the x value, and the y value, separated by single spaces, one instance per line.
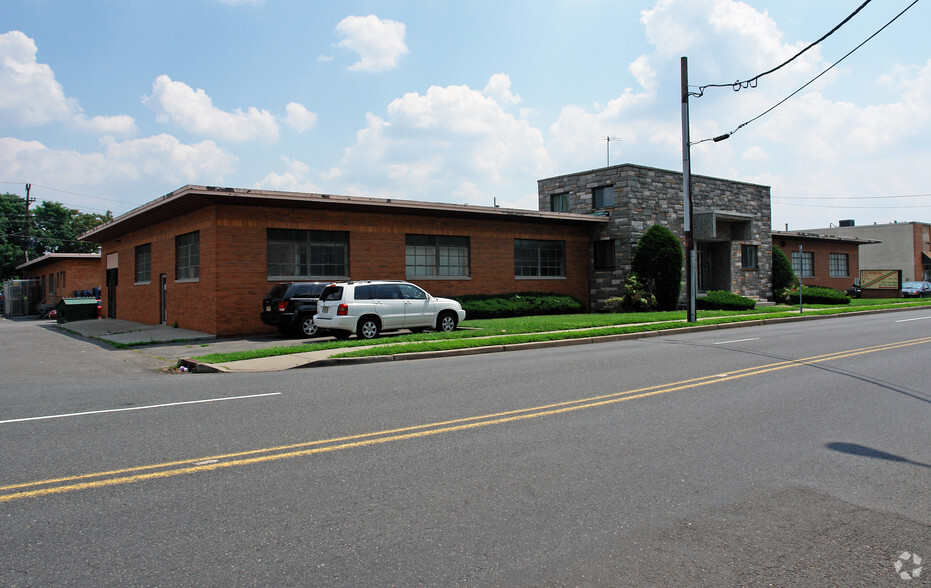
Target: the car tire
pixel 307 326
pixel 446 322
pixel 368 327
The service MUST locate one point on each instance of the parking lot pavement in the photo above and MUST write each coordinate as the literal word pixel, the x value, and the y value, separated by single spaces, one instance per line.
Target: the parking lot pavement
pixel 152 346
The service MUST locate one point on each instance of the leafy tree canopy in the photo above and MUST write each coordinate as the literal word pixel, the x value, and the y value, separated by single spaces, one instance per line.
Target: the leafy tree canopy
pixel 53 228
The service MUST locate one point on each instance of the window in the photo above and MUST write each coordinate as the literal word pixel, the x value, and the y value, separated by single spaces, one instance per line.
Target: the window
pixel 604 254
pixel 539 259
pixel 187 257
pixel 749 257
pixel 803 264
pixel 437 256
pixel 839 265
pixel 559 203
pixel 301 254
pixel 51 284
pixel 603 197
pixel 144 263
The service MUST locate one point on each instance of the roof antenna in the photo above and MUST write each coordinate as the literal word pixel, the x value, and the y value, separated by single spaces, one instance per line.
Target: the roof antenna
pixel 608 147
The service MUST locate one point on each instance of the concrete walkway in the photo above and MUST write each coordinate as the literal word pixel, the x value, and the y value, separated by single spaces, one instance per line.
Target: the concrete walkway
pixel 130 333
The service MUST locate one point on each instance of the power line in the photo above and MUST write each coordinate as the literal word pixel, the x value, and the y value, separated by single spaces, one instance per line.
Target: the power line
pixel 847 197
pixel 752 82
pixel 773 107
pixel 849 206
pixel 73 193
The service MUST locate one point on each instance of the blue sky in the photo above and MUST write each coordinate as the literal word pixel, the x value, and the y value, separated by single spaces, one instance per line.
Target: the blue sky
pixel 108 105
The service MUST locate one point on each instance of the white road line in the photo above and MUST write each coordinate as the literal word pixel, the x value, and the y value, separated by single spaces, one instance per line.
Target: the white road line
pixel 75 414
pixel 921 318
pixel 736 341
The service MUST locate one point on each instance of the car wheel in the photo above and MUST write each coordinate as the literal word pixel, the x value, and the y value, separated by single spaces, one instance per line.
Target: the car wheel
pixel 368 328
pixel 308 328
pixel 446 322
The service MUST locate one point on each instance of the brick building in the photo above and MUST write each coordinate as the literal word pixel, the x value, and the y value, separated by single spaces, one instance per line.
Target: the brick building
pixel 902 246
pixel 60 275
pixel 822 260
pixel 731 224
pixel 202 258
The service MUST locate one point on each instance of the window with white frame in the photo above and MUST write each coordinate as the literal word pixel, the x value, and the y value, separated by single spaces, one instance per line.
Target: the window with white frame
pixel 803 264
pixel 187 257
pixel 603 197
pixel 535 258
pixel 436 256
pixel 749 257
pixel 839 265
pixel 144 263
pixel 305 254
pixel 559 203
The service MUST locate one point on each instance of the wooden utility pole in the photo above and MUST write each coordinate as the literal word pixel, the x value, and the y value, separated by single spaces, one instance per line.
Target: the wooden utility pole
pixel 27 223
pixel 690 286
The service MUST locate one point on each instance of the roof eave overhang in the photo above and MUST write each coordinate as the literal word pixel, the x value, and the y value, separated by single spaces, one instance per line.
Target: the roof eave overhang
pixel 191 198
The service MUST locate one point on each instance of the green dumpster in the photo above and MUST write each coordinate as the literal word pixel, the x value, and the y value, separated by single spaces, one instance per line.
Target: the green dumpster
pixel 76 309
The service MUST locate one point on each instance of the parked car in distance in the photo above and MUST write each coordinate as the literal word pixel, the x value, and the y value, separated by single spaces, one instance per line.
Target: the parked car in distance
pixel 854 291
pixel 290 306
pixel 916 289
pixel 367 308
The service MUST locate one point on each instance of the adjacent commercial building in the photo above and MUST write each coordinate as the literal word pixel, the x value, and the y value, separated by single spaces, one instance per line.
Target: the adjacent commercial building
pixel 54 276
pixel 822 260
pixel 896 246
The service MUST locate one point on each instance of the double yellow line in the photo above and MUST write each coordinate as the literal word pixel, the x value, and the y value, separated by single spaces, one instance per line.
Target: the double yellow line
pixel 243 458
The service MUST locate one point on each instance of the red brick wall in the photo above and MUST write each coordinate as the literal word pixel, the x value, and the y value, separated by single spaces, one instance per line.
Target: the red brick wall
pixel 822 251
pixel 79 274
pixel 233 278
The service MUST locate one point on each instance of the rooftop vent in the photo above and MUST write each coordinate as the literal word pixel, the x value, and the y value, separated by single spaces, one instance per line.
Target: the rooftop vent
pixel 846 223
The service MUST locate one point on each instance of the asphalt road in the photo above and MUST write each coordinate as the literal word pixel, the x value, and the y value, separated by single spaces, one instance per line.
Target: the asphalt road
pixel 785 455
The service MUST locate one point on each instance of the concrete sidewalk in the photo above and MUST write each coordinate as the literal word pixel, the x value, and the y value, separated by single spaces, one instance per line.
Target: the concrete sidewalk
pixel 130 333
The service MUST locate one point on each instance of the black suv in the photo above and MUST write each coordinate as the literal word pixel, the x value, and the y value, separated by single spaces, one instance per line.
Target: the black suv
pixel 291 308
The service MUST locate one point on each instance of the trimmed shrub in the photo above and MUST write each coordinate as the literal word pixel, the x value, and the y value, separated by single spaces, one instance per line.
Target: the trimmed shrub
pixel 658 263
pixel 722 300
pixel 480 306
pixel 783 274
pixel 636 298
pixel 818 295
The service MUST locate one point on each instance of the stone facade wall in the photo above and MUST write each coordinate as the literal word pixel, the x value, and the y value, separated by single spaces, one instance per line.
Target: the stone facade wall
pixel 645 196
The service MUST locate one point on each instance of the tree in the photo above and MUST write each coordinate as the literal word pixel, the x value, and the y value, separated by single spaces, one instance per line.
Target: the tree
pixel 658 263
pixel 783 274
pixel 53 228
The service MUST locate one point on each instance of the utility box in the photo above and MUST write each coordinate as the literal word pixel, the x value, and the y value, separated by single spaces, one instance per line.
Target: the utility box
pixel 75 309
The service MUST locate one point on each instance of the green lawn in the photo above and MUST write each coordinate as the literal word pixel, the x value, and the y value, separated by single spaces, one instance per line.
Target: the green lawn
pixel 509 331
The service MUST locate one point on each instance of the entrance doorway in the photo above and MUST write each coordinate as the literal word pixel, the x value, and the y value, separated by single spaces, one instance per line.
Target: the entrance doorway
pixel 163 298
pixel 111 292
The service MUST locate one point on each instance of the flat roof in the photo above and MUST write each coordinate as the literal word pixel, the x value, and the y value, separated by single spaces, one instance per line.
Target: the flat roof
pixel 810 236
pixel 188 198
pixel 53 257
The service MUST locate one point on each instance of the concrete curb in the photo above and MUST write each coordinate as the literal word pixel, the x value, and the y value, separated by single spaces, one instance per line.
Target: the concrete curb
pixel 202 368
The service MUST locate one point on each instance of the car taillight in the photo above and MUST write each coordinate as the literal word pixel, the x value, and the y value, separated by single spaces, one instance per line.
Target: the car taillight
pixel 342 310
pixel 282 305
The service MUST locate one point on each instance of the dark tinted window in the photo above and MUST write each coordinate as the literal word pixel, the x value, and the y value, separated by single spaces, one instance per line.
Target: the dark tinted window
pixel 277 291
pixel 387 292
pixel 365 292
pixel 332 293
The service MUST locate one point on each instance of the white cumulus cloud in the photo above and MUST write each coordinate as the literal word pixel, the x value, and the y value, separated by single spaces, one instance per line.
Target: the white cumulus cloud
pixel 300 118
pixel 193 110
pixel 31 96
pixel 379 43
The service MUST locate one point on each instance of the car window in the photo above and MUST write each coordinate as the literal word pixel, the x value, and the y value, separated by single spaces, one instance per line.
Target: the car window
pixel 277 291
pixel 365 292
pixel 304 292
pixel 387 292
pixel 332 293
pixel 411 292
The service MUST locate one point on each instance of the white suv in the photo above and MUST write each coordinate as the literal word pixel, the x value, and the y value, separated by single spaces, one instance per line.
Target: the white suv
pixel 369 307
